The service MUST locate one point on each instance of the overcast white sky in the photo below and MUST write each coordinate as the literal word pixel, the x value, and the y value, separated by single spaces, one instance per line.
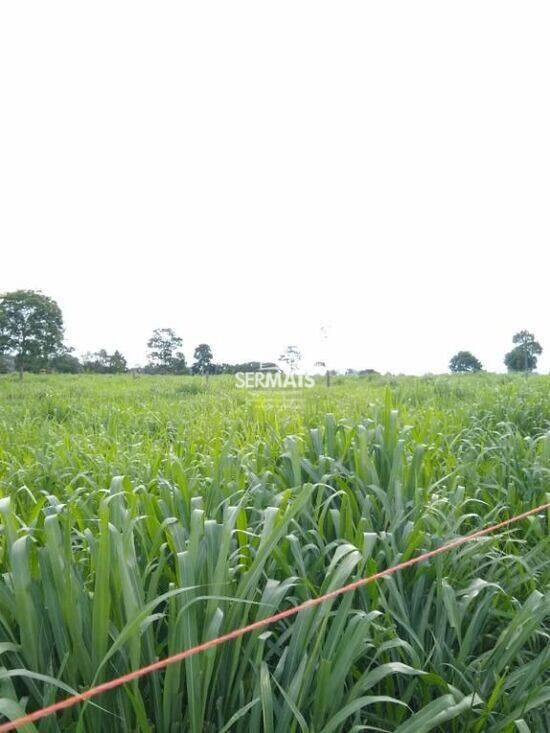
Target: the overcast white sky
pixel 245 172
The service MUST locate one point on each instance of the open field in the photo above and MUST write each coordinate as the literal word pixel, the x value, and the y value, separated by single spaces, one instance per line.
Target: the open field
pixel 143 515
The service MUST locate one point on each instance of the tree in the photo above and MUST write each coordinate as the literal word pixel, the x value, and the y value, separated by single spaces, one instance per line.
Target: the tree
pixel 164 356
pixel 465 361
pixel 248 366
pixel 95 361
pixel 292 357
pixel 203 360
pixel 523 358
pixel 179 364
pixel 117 363
pixel 65 363
pixel 103 363
pixel 31 329
pixel 7 364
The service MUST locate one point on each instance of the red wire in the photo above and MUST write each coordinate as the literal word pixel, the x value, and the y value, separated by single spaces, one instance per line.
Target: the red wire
pixel 175 658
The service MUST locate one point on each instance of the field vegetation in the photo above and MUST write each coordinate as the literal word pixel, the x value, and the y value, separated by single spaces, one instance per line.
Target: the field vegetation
pixel 142 515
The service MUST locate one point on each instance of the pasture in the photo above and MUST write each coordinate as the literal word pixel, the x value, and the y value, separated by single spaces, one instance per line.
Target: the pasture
pixel 143 515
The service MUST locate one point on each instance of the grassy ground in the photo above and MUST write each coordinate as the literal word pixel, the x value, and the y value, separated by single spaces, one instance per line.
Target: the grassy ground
pixel 142 515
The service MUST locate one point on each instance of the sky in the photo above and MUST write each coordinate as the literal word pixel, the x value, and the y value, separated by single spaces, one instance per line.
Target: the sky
pixel 249 173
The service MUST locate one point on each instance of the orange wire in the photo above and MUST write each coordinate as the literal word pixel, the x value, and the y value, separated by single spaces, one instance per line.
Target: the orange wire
pixel 205 646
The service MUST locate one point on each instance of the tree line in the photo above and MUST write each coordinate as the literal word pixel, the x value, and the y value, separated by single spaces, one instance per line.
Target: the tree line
pixel 32 339
pixel 522 358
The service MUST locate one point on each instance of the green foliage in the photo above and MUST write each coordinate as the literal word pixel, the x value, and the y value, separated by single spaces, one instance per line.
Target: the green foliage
pixel 164 354
pixel 101 362
pixel 248 366
pixel 65 363
pixel 31 329
pixel 140 517
pixel 7 364
pixel 203 359
pixel 465 361
pixel 117 363
pixel 523 358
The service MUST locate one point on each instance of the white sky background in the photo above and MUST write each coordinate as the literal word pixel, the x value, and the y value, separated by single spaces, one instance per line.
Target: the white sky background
pixel 245 172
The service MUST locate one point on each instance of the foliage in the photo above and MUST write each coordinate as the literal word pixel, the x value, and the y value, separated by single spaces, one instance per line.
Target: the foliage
pixel 164 354
pixel 65 363
pixel 7 364
pixel 362 372
pixel 117 363
pixel 465 361
pixel 203 360
pixel 247 366
pixel 523 358
pixel 31 329
pixel 102 362
pixel 292 357
pixel 236 505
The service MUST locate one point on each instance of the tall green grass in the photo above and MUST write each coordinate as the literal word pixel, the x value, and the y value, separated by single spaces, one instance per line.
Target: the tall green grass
pixel 143 516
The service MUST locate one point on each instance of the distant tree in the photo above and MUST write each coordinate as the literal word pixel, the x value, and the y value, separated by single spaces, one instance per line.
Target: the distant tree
pixel 256 366
pixel 96 361
pixel 179 364
pixel 465 361
pixel 292 357
pixel 31 329
pixel 102 362
pixel 89 362
pixel 203 360
pixel 7 364
pixel 247 366
pixel 65 363
pixel 361 372
pixel 523 357
pixel 117 363
pixel 164 355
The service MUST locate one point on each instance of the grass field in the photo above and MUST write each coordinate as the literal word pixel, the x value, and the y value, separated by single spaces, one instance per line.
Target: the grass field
pixel 143 515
